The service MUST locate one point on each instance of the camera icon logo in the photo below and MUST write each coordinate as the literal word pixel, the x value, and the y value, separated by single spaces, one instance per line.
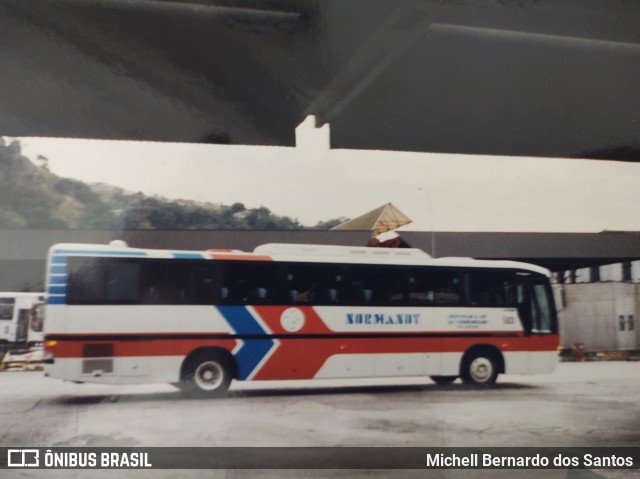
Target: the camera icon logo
pixel 23 458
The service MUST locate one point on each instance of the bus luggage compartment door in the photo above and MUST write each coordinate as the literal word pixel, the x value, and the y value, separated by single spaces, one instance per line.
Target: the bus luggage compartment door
pixel 97 359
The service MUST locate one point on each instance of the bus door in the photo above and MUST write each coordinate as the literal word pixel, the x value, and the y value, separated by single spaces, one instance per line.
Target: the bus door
pixel 7 328
pixel 22 325
pixel 542 313
pixel 36 323
pixel 536 310
pixel 535 306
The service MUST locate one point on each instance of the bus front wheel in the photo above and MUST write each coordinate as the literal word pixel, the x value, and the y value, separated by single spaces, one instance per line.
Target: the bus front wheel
pixel 206 374
pixel 479 369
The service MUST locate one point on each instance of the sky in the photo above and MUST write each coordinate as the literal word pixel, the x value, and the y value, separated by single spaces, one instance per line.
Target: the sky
pixel 440 192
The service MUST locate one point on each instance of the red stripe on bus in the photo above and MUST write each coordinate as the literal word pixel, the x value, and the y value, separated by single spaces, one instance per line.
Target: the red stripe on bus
pixel 240 257
pixel 293 360
pixel 313 324
pixel 154 347
pixel 303 358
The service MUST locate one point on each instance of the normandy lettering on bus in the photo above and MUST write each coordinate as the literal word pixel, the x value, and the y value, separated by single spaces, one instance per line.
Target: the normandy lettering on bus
pixel 373 318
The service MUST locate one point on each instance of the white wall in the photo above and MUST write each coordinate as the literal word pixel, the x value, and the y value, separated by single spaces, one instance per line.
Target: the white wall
pixel 591 311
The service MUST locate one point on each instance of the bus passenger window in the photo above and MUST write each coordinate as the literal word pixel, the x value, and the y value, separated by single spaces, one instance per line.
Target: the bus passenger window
pixel 248 282
pixel 205 284
pixel 327 295
pixel 421 287
pixel 375 285
pixel 257 295
pixel 293 295
pixel 363 295
pixel 492 288
pixel 167 282
pixel 433 286
pixel 123 282
pixel 86 280
pixel 311 283
pixel 299 285
pixel 446 296
pixel 6 308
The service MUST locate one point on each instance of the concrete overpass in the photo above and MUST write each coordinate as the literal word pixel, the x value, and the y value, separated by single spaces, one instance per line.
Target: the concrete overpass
pixel 525 78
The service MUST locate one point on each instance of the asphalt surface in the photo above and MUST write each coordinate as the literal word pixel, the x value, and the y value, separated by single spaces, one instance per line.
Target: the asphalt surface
pixel 581 404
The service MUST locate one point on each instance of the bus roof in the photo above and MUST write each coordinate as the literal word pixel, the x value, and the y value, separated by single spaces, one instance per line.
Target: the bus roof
pixel 20 294
pixel 297 253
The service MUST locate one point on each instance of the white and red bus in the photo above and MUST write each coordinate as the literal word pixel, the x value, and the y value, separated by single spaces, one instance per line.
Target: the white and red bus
pixel 202 319
pixel 21 319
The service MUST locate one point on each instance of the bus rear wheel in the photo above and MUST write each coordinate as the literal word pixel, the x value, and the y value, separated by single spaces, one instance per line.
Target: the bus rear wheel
pixel 206 375
pixel 443 380
pixel 479 369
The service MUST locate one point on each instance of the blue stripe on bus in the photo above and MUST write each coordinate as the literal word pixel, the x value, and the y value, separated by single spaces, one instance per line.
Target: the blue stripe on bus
pixel 188 256
pixel 58 260
pixel 58 289
pixel 251 354
pixel 55 299
pixel 58 269
pixel 53 279
pixel 253 351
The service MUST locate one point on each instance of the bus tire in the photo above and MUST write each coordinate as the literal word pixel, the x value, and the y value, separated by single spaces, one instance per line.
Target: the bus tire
pixel 206 374
pixel 480 368
pixel 443 380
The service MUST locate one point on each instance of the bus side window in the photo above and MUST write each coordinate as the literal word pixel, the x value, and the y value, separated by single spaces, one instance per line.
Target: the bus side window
pixel 248 282
pixel 326 295
pixel 491 288
pixel 312 283
pixel 122 282
pixel 163 282
pixel 447 287
pixel 421 288
pixel 6 308
pixel 257 295
pixel 86 281
pixel 360 294
pixel 205 284
pixel 433 286
pixel 375 285
pixel 446 295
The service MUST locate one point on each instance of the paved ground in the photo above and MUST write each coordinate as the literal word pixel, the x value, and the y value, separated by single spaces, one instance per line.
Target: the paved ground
pixel 581 404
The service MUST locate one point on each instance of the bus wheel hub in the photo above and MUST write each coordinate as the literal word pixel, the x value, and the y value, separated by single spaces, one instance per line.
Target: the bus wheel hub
pixel 481 369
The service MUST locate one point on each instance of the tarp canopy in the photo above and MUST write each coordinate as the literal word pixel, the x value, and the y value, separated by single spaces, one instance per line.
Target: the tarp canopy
pixel 381 220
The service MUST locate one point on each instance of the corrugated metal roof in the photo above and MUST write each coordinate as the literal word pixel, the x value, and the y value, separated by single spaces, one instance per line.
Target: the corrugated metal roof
pixel 381 220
